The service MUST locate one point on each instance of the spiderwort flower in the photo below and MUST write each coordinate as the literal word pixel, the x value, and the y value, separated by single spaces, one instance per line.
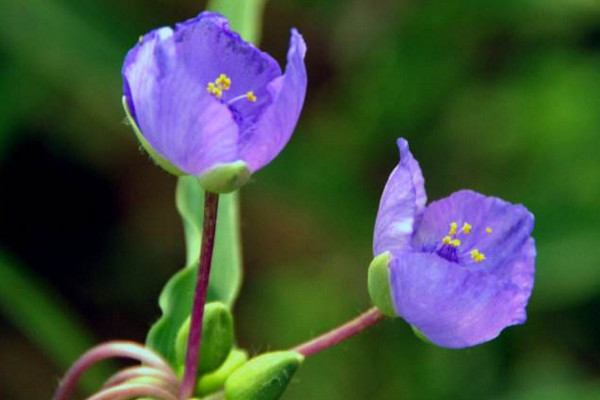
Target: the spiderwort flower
pixel 459 270
pixel 204 102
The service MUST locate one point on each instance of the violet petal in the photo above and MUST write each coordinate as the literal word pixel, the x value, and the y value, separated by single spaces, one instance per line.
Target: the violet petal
pixel 263 141
pixel 401 206
pixel 457 307
pixel 510 226
pixel 179 119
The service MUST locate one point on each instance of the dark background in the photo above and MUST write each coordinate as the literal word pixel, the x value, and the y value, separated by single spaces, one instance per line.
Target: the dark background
pixel 498 96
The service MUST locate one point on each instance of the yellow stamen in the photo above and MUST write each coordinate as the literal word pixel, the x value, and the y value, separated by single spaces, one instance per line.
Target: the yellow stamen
pixel 455 243
pixel 488 230
pixel 223 82
pixel 141 40
pixel 447 240
pixel 466 228
pixel 477 256
pixel 453 227
pixel 251 97
pixel 214 90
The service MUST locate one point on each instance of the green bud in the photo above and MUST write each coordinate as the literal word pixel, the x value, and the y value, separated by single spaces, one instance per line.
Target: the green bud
pixel 264 377
pixel 217 338
pixel 225 178
pixel 379 284
pixel 214 381
pixel 157 158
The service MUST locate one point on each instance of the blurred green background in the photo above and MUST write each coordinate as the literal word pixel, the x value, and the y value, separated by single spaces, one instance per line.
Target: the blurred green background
pixel 499 96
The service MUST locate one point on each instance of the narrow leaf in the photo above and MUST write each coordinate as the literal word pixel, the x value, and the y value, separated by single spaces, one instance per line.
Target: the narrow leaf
pixel 245 16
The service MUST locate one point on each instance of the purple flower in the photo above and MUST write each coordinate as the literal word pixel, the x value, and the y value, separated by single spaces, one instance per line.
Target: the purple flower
pixel 204 100
pixel 460 269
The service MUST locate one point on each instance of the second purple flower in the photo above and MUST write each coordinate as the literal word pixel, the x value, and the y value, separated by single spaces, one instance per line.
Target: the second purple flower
pixel 459 270
pixel 204 102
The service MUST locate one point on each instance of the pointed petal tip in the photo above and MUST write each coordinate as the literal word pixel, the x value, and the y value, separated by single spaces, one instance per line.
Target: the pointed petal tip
pixel 276 125
pixel 297 42
pixel 404 149
pixel 402 143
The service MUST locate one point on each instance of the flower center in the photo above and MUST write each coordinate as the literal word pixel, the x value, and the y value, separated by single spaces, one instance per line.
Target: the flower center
pixel 450 246
pixel 223 84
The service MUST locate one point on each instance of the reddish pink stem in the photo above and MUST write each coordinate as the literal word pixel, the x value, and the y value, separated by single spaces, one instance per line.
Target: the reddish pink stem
pixel 102 352
pixel 142 372
pixel 132 390
pixel 211 203
pixel 341 333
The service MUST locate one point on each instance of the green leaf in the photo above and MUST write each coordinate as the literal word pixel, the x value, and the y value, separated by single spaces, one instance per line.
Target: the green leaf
pixel 226 273
pixel 45 319
pixel 245 16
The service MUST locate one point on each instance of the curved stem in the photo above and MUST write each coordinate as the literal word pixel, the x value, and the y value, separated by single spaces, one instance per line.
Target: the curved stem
pixel 108 350
pixel 211 202
pixel 341 333
pixel 142 372
pixel 132 390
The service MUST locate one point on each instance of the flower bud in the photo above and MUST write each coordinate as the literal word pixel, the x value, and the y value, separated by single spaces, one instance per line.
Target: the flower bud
pixel 217 338
pixel 379 284
pixel 214 381
pixel 264 377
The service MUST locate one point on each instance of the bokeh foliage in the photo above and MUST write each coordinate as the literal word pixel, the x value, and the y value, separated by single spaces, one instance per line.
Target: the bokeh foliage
pixel 499 96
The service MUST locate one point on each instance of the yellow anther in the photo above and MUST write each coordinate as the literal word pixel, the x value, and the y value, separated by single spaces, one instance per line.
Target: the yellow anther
pixel 466 228
pixel 476 255
pixel 453 227
pixel 488 230
pixel 455 243
pixel 214 90
pixel 141 40
pixel 223 82
pixel 447 240
pixel 251 97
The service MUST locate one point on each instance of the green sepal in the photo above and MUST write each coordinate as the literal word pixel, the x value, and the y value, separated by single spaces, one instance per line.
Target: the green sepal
pixel 222 178
pixel 217 338
pixel 213 381
pixel 157 158
pixel 225 178
pixel 421 335
pixel 264 377
pixel 379 284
